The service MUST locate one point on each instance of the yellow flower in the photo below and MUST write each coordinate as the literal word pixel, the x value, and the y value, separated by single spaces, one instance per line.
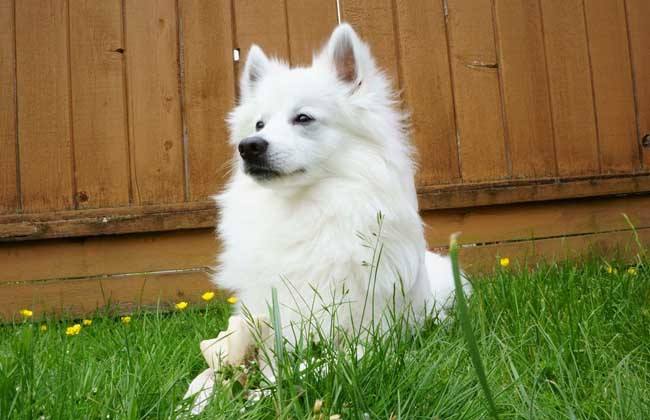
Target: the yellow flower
pixel 43 328
pixel 87 322
pixel 232 300
pixel 632 271
pixel 125 319
pixel 74 330
pixel 26 313
pixel 609 269
pixel 181 305
pixel 504 262
pixel 207 296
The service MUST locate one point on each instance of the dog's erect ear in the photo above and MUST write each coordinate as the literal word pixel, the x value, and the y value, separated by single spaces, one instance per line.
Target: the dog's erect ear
pixel 257 64
pixel 349 56
pixel 341 49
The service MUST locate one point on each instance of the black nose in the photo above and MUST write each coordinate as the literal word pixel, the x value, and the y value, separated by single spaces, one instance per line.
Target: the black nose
pixel 252 148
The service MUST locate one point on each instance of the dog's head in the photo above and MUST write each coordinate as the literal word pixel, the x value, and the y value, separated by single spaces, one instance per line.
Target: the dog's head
pixel 293 124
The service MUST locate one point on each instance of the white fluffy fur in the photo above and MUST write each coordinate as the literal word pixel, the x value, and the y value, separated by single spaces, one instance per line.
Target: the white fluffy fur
pixel 351 163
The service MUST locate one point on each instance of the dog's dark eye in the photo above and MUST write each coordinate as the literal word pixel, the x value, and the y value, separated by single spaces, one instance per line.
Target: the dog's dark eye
pixel 302 119
pixel 259 125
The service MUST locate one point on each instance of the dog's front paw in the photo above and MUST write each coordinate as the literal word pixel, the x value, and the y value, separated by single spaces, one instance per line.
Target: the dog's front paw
pixel 201 390
pixel 232 347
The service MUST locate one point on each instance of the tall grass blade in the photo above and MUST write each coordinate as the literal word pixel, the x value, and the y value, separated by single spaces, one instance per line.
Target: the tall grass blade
pixel 278 344
pixel 463 313
pixel 642 250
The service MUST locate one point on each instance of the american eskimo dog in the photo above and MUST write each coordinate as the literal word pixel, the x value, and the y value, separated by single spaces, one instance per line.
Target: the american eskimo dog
pixel 320 152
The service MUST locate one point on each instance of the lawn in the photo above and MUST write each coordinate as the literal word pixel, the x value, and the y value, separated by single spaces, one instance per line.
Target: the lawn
pixel 560 341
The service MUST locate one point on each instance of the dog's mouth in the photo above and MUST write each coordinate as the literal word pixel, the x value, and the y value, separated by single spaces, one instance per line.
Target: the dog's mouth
pixel 261 172
pixel 266 173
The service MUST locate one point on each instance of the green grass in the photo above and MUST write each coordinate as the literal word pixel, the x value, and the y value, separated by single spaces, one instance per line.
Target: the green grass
pixel 561 341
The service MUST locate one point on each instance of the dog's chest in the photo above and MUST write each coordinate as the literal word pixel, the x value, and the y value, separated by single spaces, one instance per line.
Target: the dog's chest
pixel 310 244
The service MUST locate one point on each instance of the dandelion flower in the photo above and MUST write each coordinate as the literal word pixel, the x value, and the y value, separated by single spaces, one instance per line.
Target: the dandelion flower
pixel 632 271
pixel 609 269
pixel 125 319
pixel 504 262
pixel 43 328
pixel 26 313
pixel 87 322
pixel 232 300
pixel 74 330
pixel 181 305
pixel 207 296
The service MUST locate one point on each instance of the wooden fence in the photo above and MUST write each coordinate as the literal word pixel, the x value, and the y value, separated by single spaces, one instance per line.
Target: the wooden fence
pixel 531 118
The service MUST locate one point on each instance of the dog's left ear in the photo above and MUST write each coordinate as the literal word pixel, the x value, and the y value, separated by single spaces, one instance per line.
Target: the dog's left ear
pixel 348 55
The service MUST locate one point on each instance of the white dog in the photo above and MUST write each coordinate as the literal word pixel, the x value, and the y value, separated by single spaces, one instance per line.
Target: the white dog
pixel 322 151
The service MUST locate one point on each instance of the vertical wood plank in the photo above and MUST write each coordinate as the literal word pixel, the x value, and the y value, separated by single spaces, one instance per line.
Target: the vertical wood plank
pixel 525 88
pixel 209 92
pixel 426 82
pixel 638 17
pixel 567 54
pixel 43 84
pixel 98 103
pixel 613 91
pixel 155 127
pixel 476 91
pixel 373 20
pixel 8 159
pixel 310 24
pixel 263 23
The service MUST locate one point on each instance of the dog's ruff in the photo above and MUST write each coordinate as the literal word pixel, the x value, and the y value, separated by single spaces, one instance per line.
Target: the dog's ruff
pixel 298 227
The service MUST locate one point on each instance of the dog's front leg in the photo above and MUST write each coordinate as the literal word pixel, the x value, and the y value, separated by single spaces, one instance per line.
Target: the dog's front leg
pixel 231 347
pixel 235 346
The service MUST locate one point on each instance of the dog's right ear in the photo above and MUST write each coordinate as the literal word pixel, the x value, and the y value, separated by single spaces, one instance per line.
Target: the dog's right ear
pixel 348 55
pixel 257 64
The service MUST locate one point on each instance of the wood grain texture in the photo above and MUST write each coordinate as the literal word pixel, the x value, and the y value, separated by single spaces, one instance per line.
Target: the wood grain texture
pixel 43 85
pixel 613 90
pixel 310 24
pixel 263 23
pixel 116 294
pixel 99 119
pixel 102 255
pixel 107 221
pixel 374 22
pixel 474 65
pixel 209 91
pixel 518 191
pixel 638 18
pixel 426 84
pixel 567 54
pixel 155 127
pixel 9 199
pixel 525 88
pixel 527 221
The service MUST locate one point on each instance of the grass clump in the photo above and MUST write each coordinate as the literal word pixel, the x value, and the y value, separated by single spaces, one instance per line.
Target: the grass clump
pixel 567 340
